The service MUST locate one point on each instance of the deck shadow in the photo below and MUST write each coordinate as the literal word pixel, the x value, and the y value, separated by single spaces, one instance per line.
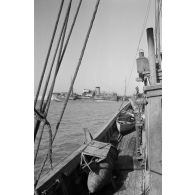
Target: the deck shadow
pixel 128 132
pixel 123 166
pixel 120 173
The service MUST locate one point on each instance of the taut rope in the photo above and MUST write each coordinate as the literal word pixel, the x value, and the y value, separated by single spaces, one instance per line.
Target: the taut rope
pixel 47 104
pixel 48 53
pixel 72 83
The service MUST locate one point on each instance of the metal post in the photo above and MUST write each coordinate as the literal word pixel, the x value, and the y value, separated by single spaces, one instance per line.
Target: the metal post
pixel 158 35
pixel 156 24
pixel 151 56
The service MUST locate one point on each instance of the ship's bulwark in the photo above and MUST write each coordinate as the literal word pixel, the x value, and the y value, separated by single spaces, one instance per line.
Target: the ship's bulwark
pixel 127 177
pixel 153 126
pixel 91 114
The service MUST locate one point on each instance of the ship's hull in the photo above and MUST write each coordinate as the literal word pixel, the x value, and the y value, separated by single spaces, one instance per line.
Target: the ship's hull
pixel 84 97
pixel 68 178
pixel 111 176
pixel 67 175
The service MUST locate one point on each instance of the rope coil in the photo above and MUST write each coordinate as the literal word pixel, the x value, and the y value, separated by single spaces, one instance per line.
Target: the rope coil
pixel 42 118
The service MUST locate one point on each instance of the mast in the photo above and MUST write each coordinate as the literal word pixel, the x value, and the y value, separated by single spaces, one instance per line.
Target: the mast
pixel 125 90
pixel 157 30
pixel 156 22
pixel 72 92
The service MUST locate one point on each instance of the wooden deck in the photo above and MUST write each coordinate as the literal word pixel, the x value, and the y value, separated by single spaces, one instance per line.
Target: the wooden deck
pixel 127 177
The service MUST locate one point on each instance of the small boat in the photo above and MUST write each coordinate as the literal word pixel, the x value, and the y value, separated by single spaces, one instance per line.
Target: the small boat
pixel 125 124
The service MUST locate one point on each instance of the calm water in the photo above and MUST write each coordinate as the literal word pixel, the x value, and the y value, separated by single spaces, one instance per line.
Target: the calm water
pixel 79 114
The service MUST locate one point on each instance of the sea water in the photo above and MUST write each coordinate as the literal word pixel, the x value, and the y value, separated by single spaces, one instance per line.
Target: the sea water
pixel 79 114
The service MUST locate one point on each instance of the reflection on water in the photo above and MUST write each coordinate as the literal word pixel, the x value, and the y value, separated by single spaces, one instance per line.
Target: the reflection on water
pixel 79 114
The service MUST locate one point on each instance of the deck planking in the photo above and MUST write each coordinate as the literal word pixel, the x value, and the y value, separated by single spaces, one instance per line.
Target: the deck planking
pixel 129 177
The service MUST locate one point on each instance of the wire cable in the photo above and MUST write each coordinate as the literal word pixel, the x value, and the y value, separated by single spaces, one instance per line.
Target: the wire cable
pixel 78 65
pixel 53 82
pixel 47 104
pixel 48 53
pixel 51 67
pixel 70 89
pixel 67 41
pixel 141 35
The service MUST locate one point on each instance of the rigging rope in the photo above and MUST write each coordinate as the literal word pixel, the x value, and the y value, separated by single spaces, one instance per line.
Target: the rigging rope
pixel 60 57
pixel 46 108
pixel 64 49
pixel 141 35
pixel 158 6
pixel 70 32
pixel 53 82
pixel 72 83
pixel 68 37
pixel 158 28
pixel 49 153
pixel 78 65
pixel 47 104
pixel 48 53
pixel 42 118
pixel 51 67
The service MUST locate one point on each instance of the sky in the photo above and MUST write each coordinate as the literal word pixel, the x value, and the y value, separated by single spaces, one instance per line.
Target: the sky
pixel 110 53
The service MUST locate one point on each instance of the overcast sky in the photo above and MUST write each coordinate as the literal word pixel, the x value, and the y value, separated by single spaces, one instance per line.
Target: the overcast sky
pixel 111 48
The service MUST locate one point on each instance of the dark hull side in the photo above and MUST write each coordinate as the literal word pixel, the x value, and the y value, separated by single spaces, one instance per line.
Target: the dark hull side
pixel 153 124
pixel 102 174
